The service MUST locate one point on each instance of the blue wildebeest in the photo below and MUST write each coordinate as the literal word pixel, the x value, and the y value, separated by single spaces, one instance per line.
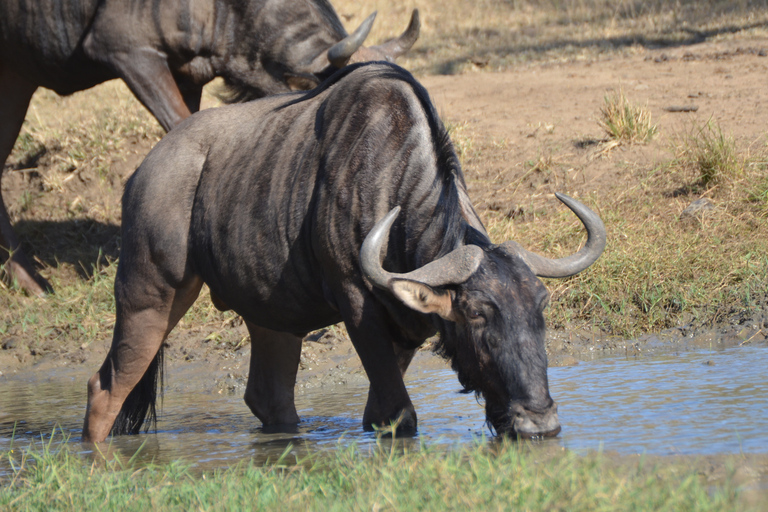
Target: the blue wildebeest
pixel 290 208
pixel 166 50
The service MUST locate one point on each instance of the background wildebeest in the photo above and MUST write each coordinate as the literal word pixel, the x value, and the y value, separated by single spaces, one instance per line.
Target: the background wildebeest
pixel 166 50
pixel 281 207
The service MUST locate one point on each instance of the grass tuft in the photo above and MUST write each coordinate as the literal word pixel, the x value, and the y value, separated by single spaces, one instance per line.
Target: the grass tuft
pixel 711 155
pixel 624 121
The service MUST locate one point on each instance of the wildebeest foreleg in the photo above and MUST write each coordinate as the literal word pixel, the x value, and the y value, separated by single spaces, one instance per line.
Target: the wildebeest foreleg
pixel 145 316
pixel 147 74
pixel 404 357
pixel 15 93
pixel 372 336
pixel 272 377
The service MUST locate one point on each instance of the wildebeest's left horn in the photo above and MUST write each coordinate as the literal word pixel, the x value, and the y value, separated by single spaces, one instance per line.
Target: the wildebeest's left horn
pixel 453 268
pixel 340 53
pixel 575 263
pixel 394 48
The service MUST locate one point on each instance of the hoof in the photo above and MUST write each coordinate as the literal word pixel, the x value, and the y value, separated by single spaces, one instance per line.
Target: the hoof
pixel 403 424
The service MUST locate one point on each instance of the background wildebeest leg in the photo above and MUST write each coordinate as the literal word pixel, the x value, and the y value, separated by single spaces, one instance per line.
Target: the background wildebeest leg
pixel 15 93
pixel 191 93
pixel 272 377
pixel 147 308
pixel 147 74
pixel 371 335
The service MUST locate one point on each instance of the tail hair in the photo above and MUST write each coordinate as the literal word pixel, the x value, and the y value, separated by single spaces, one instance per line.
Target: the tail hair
pixel 140 408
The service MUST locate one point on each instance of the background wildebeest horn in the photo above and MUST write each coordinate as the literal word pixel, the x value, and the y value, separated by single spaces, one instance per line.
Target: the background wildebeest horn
pixel 340 53
pixel 575 263
pixel 453 268
pixel 394 48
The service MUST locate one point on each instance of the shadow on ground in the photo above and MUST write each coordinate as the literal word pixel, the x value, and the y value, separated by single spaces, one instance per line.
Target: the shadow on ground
pixel 83 243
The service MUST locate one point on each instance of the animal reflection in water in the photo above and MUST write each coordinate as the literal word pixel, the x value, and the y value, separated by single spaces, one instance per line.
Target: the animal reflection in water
pixel 345 203
pixel 166 51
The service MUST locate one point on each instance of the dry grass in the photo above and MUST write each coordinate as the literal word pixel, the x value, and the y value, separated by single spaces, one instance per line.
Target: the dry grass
pixel 660 269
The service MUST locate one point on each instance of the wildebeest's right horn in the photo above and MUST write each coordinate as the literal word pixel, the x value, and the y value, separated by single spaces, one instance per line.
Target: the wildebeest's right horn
pixel 340 53
pixel 454 268
pixel 394 48
pixel 575 263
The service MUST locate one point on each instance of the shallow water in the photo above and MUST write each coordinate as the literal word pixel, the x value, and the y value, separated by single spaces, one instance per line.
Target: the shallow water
pixel 684 403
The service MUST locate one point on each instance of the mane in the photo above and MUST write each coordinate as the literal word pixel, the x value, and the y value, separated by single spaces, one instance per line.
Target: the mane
pixel 454 200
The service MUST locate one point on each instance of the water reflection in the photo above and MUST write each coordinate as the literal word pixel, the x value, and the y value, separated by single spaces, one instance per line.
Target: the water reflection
pixel 668 404
pixel 690 403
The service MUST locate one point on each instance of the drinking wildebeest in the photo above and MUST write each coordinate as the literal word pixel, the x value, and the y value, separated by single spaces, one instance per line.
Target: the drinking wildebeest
pixel 166 51
pixel 290 208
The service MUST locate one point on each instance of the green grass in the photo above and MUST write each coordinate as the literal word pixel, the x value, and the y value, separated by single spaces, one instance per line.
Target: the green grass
pixel 499 476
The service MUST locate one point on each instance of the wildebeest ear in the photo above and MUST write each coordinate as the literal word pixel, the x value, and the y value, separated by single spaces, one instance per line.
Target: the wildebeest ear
pixel 423 298
pixel 301 81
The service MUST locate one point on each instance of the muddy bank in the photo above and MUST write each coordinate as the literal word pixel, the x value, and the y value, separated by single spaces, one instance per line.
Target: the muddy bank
pixel 328 357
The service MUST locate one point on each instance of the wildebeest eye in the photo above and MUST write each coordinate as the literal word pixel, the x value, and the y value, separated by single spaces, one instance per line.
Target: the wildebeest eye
pixel 474 314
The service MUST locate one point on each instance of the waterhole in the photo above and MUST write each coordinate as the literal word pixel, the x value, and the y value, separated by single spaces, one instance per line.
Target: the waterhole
pixel 707 402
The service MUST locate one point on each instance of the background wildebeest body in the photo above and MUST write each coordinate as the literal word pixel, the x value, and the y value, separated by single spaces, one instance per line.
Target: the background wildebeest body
pixel 269 203
pixel 166 51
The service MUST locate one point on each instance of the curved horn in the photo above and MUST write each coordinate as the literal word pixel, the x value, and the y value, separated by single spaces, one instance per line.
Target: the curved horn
pixel 394 48
pixel 453 268
pixel 340 53
pixel 575 263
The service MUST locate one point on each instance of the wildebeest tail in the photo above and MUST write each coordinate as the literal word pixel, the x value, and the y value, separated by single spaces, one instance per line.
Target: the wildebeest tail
pixel 140 406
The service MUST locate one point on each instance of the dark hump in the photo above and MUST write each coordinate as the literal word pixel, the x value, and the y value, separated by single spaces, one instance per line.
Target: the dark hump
pixel 447 161
pixel 449 177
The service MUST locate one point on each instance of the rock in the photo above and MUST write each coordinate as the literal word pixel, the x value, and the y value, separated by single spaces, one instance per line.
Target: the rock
pixel 697 210
pixel 682 108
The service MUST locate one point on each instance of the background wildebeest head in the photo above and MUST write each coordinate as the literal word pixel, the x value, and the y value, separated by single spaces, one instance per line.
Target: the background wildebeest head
pixel 313 46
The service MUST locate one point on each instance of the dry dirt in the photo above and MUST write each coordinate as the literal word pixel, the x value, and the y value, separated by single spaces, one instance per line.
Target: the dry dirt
pixel 552 112
pixel 523 135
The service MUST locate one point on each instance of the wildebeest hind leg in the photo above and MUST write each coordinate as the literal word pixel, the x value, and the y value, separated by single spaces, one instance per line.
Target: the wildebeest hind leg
pixel 15 93
pixel 145 316
pixel 272 377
